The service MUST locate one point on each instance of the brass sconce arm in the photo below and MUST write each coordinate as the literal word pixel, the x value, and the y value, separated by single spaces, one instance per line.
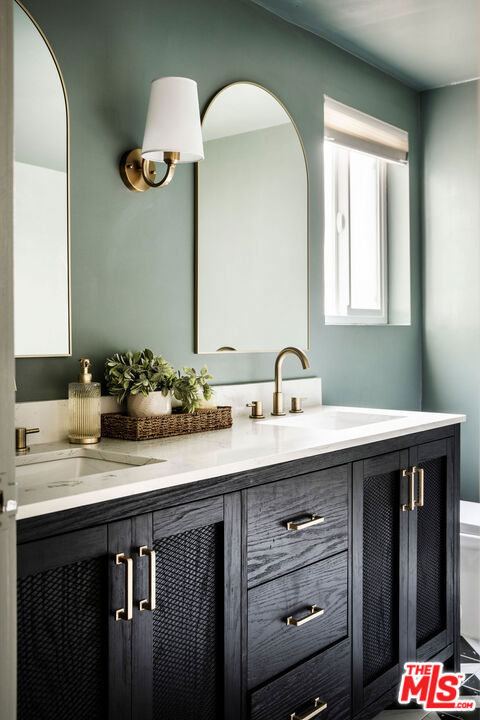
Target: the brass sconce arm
pixel 171 159
pixel 137 173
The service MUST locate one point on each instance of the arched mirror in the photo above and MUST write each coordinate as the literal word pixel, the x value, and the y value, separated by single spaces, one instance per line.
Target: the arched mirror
pixel 41 195
pixel 252 243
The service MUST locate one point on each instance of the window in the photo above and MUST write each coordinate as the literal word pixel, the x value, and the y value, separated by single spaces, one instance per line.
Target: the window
pixel 355 237
pixel 358 152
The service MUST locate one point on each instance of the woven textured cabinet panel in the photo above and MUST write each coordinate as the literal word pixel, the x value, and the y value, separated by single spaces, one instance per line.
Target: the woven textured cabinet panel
pixel 62 658
pixel 431 553
pixel 187 638
pixel 380 574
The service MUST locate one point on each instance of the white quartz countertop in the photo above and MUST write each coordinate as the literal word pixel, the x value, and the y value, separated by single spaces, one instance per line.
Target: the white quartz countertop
pixel 247 445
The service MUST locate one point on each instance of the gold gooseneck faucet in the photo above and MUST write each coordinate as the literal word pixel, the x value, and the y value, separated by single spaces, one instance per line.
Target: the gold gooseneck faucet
pixel 278 394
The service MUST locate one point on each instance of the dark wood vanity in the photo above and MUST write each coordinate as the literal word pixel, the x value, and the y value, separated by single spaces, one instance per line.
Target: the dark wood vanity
pixel 366 589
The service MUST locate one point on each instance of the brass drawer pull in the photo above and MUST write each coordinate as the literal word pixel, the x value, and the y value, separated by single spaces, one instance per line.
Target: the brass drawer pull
pixel 315 613
pixel 314 520
pixel 127 614
pixel 144 551
pixel 411 488
pixel 421 486
pixel 319 707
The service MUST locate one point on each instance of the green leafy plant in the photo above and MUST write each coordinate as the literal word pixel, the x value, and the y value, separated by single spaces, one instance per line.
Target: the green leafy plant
pixel 139 372
pixel 189 387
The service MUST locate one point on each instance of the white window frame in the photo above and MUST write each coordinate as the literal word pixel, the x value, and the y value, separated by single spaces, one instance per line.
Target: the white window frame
pixel 341 211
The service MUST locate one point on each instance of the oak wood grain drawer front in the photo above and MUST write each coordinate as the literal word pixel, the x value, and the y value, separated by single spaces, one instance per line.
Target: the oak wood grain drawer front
pixel 326 677
pixel 295 616
pixel 273 549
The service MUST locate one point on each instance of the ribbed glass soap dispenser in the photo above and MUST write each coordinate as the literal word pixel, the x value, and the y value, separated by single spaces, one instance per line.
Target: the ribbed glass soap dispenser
pixel 84 407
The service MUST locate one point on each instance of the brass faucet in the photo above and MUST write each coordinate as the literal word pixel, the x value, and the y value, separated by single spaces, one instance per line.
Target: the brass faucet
pixel 278 394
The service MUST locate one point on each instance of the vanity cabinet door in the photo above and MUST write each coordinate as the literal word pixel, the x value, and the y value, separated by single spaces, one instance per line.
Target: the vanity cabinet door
pixel 380 576
pixel 63 623
pixel 186 640
pixel 432 550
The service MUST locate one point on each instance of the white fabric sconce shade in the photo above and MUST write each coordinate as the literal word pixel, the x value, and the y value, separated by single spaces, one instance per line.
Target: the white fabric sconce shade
pixel 173 135
pixel 173 121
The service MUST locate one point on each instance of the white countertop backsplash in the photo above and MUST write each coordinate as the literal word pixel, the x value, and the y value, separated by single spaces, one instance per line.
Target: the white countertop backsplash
pixel 51 416
pixel 247 445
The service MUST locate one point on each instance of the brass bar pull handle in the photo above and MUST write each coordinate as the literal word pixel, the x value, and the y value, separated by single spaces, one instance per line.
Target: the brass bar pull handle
pixel 316 612
pixel 314 520
pixel 411 488
pixel 127 614
pixel 421 486
pixel 319 706
pixel 149 604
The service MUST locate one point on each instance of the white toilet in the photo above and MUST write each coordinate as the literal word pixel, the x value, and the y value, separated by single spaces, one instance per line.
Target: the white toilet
pixel 470 569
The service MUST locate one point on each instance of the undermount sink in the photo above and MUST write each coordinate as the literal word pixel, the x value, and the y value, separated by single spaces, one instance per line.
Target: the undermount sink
pixel 327 419
pixel 79 463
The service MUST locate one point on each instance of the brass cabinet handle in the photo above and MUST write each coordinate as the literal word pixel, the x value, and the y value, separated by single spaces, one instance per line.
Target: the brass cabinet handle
pixel 144 551
pixel 411 488
pixel 314 520
pixel 421 486
pixel 412 503
pixel 315 613
pixel 319 706
pixel 127 614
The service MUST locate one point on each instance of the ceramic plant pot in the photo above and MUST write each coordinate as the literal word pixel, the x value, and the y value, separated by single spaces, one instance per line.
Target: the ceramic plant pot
pixel 152 405
pixel 208 404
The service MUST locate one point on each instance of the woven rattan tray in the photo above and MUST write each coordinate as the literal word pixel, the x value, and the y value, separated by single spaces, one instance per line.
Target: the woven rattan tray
pixel 123 427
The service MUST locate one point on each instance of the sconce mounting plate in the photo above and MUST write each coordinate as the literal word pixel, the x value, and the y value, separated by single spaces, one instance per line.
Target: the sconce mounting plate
pixel 131 170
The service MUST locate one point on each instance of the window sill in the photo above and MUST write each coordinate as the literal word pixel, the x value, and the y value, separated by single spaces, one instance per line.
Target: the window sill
pixel 364 322
pixel 355 320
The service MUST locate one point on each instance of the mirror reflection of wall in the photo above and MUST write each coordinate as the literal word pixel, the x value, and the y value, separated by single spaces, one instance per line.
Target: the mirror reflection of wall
pixel 41 242
pixel 252 226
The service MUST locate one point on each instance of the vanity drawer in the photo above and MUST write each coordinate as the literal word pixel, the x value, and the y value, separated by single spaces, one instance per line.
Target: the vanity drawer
pixel 272 548
pixel 327 677
pixel 273 646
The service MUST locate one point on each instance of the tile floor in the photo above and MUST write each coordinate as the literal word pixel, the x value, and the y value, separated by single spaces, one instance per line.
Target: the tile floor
pixel 470 659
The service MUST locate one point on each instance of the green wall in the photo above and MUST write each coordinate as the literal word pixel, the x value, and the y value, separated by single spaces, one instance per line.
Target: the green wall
pixel 132 254
pixel 451 342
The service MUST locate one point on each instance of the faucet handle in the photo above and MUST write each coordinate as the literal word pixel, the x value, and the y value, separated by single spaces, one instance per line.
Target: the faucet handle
pixel 296 404
pixel 21 438
pixel 257 409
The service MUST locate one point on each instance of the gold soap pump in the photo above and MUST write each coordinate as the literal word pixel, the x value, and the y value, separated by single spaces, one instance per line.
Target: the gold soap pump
pixel 84 411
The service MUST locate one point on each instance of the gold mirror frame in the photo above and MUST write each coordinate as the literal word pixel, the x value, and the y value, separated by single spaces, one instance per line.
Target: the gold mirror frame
pixel 67 114
pixel 226 349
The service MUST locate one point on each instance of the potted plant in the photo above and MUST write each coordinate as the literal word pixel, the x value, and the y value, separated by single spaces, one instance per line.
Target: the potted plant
pixel 146 381
pixel 193 390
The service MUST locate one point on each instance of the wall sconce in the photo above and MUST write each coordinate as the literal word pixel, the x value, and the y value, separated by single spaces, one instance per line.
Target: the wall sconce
pixel 172 134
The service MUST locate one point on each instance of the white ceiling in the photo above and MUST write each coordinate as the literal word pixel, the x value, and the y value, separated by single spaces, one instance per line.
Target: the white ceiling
pixel 425 43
